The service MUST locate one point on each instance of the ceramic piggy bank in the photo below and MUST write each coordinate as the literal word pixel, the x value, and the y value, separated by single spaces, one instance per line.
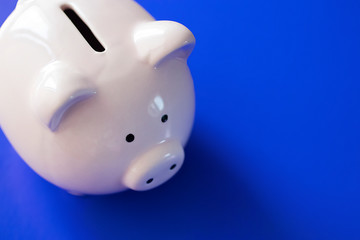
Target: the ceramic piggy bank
pixel 96 96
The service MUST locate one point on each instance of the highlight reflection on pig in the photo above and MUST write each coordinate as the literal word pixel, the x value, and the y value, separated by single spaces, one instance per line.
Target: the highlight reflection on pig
pixel 96 96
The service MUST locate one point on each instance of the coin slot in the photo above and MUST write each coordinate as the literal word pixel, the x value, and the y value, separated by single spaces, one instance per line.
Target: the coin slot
pixel 84 29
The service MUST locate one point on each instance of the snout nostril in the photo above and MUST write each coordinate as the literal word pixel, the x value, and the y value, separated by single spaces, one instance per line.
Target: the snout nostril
pixel 149 181
pixel 130 138
pixel 173 167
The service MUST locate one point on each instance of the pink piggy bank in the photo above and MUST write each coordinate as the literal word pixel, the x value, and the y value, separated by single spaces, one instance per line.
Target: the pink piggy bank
pixel 96 96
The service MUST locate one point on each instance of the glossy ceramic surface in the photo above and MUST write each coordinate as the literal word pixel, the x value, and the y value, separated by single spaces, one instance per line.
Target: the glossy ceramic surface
pixel 96 110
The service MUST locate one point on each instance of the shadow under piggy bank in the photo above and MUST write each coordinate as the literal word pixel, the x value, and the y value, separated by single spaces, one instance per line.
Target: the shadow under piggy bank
pixel 206 200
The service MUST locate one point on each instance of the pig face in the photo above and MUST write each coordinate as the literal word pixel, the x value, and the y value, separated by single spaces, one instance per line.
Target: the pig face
pixel 106 101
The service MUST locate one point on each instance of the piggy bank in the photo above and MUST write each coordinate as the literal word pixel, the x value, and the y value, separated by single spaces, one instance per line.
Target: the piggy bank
pixel 96 96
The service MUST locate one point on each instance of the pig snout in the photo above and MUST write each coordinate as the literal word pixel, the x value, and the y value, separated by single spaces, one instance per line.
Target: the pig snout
pixel 155 167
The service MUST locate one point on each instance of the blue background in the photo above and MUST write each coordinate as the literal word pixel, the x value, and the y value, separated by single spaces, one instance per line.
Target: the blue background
pixel 276 144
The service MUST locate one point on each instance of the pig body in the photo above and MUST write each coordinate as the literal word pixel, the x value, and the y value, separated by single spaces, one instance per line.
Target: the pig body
pixel 96 119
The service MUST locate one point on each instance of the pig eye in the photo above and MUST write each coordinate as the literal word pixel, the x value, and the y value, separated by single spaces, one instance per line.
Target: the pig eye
pixel 165 118
pixel 130 138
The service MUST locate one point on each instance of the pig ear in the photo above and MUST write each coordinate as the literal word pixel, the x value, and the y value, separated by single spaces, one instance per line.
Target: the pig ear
pixel 60 88
pixel 158 40
pixel 19 2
